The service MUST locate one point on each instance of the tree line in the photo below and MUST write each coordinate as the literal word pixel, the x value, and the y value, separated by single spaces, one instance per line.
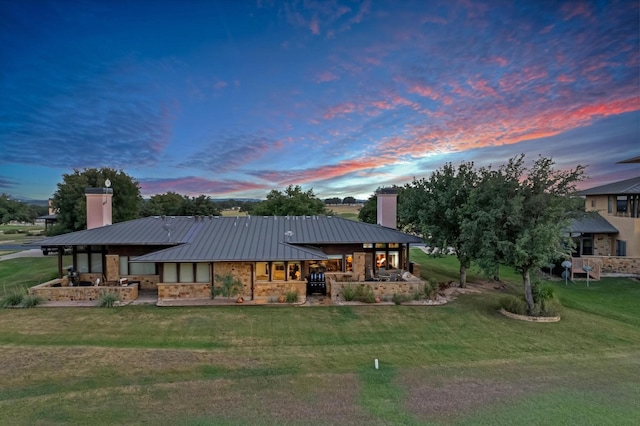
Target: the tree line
pixel 19 211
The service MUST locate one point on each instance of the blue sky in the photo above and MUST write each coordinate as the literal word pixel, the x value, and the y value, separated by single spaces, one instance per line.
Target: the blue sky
pixel 235 98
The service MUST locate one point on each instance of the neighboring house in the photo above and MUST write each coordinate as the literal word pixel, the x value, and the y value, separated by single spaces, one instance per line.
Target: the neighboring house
pixel 181 256
pixel 611 233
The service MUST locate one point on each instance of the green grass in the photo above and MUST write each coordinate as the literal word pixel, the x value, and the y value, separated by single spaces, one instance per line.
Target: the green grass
pixel 20 274
pixel 25 233
pixel 446 268
pixel 462 363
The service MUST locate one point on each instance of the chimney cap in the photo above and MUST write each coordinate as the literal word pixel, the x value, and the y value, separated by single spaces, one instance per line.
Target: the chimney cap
pixel 98 190
pixel 388 190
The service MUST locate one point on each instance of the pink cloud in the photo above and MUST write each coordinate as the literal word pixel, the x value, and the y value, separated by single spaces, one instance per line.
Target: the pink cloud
pixel 425 91
pixel 195 186
pixel 314 26
pixel 326 76
pixel 340 110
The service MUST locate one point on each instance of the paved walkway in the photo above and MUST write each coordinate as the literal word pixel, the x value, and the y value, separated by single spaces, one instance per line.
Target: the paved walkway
pixel 23 253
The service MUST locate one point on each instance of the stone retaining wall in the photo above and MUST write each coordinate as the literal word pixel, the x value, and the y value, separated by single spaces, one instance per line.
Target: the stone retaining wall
pixel 616 264
pixel 65 292
pixel 270 291
pixel 382 289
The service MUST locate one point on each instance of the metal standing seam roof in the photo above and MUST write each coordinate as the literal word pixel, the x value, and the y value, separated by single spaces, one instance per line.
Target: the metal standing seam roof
pixel 592 224
pixel 623 187
pixel 250 238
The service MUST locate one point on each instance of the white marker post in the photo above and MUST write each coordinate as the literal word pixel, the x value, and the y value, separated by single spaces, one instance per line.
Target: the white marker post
pixel 376 363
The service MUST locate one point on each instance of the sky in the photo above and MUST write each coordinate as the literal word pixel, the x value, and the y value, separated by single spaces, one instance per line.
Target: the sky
pixel 232 99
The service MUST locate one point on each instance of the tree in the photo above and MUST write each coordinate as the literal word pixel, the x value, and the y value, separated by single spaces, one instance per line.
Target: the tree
pixel 70 202
pixel 334 200
pixel 521 215
pixel 349 200
pixel 15 210
pixel 543 209
pixel 368 213
pixel 200 206
pixel 173 204
pixel 293 202
pixel 437 208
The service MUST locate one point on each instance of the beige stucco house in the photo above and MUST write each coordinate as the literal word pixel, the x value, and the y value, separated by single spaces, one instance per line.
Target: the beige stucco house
pixel 609 237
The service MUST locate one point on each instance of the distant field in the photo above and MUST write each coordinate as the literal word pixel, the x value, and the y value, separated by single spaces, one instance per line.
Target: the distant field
pixel 233 213
pixel 346 211
pixel 19 234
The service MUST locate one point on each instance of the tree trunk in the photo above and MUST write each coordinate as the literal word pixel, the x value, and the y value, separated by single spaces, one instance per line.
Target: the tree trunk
pixel 463 275
pixel 528 295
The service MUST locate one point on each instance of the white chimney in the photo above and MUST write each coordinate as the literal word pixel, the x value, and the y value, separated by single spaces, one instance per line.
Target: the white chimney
pixel 387 207
pixel 99 211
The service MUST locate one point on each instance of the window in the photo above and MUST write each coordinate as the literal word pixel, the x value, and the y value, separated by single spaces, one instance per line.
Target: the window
pixel 593 204
pixel 294 270
pixel 170 272
pixel 621 248
pixel 278 271
pixel 381 259
pixel 142 268
pixel 367 245
pixel 610 205
pixel 381 245
pixel 96 262
pixel 349 263
pixel 186 272
pixel 334 262
pixel 203 274
pixel 124 265
pixel 393 260
pixel 262 271
pixel 83 262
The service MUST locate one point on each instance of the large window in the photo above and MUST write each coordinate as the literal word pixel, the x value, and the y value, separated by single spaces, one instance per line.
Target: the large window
pixel 262 271
pixel 393 260
pixel 170 272
pixel 203 273
pixel 381 259
pixel 89 259
pixel 278 271
pixel 142 268
pixel 334 263
pixel 294 270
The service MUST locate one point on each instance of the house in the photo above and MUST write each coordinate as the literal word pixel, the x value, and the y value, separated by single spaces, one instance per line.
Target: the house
pixel 609 237
pixel 180 257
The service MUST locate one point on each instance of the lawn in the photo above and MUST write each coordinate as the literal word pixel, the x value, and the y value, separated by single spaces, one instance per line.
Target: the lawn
pixel 462 363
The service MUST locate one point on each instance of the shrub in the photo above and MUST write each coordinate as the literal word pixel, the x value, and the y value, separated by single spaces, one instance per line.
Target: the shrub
pixel 229 286
pixel 514 304
pixel 547 308
pixel 31 301
pixel 12 299
pixel 430 289
pixel 416 295
pixel 364 294
pixel 399 299
pixel 108 300
pixel 348 292
pixel 291 296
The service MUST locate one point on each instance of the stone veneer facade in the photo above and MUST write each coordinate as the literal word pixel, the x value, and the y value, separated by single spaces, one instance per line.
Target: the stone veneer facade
pixel 66 292
pixel 615 264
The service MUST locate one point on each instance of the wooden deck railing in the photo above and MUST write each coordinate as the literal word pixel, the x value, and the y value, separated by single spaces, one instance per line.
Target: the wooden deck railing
pixel 577 263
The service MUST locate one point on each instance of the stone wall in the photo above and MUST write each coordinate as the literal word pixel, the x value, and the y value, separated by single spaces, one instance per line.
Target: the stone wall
pixel 270 291
pixel 603 245
pixel 616 265
pixel 73 293
pixel 173 291
pixel 147 282
pixel 240 270
pixel 382 289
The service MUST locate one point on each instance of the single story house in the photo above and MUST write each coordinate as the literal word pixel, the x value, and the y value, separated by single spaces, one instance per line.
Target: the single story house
pixel 180 257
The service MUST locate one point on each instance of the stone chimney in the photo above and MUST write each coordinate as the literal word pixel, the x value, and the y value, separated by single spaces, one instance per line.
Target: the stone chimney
pixel 388 207
pixel 99 212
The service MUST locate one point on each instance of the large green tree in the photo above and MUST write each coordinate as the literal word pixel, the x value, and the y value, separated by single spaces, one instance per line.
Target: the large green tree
pixel 292 202
pixel 541 208
pixel 173 204
pixel 16 210
pixel 70 202
pixel 368 213
pixel 437 207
